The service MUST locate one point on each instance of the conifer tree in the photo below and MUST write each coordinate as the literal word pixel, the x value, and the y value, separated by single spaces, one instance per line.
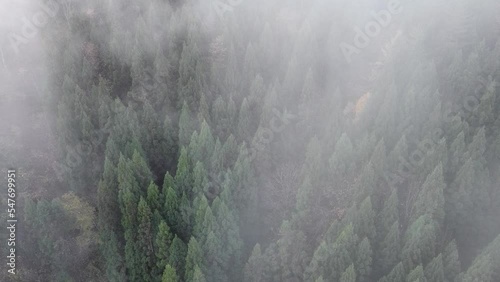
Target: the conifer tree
pixel 416 275
pixel 153 198
pixel 389 214
pixel 163 242
pixel 317 266
pixel 434 271
pixel 451 264
pixel 186 125
pixel 291 247
pixel 349 275
pixel 198 275
pixel 183 179
pixel 420 242
pixel 145 253
pixel 342 160
pixel 430 200
pixel 398 273
pixel 254 268
pixel 363 262
pixel 364 224
pixel 177 255
pixel 391 248
pixel 171 209
pixel 169 274
pixel 193 260
pixel 153 139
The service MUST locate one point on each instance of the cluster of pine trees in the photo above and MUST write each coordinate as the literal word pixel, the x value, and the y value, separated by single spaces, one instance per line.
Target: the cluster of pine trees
pixel 212 149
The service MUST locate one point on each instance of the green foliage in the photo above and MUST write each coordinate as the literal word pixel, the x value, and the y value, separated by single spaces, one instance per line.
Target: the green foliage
pixel 163 242
pixel 430 200
pixel 364 260
pixel 416 275
pixel 145 255
pixel 254 268
pixel 420 242
pixel 398 273
pixel 434 271
pixel 169 274
pixel 349 275
pixel 265 138
pixel 177 255
pixel 194 258
pixel 451 263
pixel 391 248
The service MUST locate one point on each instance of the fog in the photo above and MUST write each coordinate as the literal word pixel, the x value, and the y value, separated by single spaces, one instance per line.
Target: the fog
pixel 238 140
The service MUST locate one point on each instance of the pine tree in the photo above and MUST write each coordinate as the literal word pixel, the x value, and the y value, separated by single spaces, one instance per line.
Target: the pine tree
pixel 155 202
pixel 186 125
pixel 364 224
pixel 349 275
pixel 458 152
pixel 366 185
pixel 228 234
pixel 378 158
pixel 291 248
pixel 198 275
pixel 271 263
pixel 171 142
pixel 397 274
pixel 399 151
pixel 416 275
pixel 342 252
pixel 246 122
pixel 200 179
pixel 389 214
pixel 420 242
pixel 189 83
pixel 183 180
pixel 254 268
pixel 107 191
pixel 201 209
pixel 342 161
pixel 193 260
pixel 317 266
pixel 434 271
pixel 141 170
pixel 206 143
pixel 451 263
pixel 171 209
pixel 114 260
pixel 391 248
pixel 430 200
pixel 186 217
pixel 485 265
pixel 169 274
pixel 145 240
pixel 163 242
pixel 364 260
pixel 153 139
pixel 177 255
pixel 210 252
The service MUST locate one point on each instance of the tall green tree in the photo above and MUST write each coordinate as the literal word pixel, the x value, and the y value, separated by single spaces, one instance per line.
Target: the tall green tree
pixel 162 244
pixel 194 258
